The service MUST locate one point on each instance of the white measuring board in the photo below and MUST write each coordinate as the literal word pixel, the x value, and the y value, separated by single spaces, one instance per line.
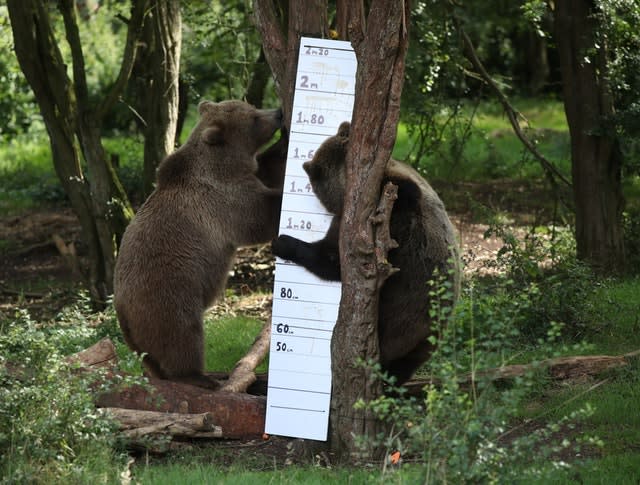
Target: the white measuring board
pixel 305 308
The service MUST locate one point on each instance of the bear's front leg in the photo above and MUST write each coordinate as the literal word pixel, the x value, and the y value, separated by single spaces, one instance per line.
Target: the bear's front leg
pixel 321 257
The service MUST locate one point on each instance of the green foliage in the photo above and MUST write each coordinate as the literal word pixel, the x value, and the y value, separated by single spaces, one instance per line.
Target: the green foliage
pixel 212 32
pixel 474 142
pixel 541 272
pixel 18 109
pixel 27 173
pixel 50 431
pixel 464 433
pixel 128 153
pixel 619 22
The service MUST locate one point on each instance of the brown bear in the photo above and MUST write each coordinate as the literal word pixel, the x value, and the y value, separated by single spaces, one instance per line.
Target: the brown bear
pixel 427 242
pixel 213 195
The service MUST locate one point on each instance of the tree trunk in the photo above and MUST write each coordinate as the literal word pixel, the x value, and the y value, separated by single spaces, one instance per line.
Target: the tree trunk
pixel 595 154
pixel 380 52
pixel 157 91
pixel 258 82
pixel 74 129
pixel 281 27
pixel 363 241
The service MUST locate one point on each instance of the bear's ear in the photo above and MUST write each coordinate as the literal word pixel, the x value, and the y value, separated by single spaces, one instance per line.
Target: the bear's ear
pixel 205 106
pixel 213 135
pixel 343 129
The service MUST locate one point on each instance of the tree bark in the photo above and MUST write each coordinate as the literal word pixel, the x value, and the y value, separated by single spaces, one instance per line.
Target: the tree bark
pixel 595 154
pixel 157 70
pixel 281 27
pixel 73 125
pixel 258 82
pixel 380 48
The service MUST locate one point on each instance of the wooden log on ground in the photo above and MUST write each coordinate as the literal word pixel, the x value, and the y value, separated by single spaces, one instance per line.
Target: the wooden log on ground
pixel 243 374
pixel 101 354
pixel 560 368
pixel 239 415
pixel 136 424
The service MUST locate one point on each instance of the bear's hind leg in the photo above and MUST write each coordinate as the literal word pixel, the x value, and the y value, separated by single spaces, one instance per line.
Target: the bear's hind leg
pixel 404 367
pixel 184 360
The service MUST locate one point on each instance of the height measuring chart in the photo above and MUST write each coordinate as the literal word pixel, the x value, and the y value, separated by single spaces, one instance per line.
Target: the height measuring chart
pixel 305 308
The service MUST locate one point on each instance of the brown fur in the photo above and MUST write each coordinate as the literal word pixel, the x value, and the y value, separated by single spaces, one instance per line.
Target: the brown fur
pixel 426 238
pixel 176 253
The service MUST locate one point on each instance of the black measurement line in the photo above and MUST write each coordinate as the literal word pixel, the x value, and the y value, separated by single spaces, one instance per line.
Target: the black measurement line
pixel 335 93
pixel 300 300
pixel 290 211
pixel 343 49
pixel 305 283
pixel 310 133
pixel 308 391
pixel 304 107
pixel 340 75
pixel 299 409
pixel 299 372
pixel 303 328
pixel 300 319
pixel 293 335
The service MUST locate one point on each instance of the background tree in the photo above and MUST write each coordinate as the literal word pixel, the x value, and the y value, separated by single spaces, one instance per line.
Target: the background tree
pixel 379 82
pixel 73 122
pixel 596 159
pixel 156 76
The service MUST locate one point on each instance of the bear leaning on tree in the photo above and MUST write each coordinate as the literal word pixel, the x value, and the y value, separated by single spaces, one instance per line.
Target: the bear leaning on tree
pixel 213 195
pixel 427 247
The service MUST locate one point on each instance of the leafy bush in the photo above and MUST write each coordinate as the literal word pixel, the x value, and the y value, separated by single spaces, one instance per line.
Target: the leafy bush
pixel 462 429
pixel 542 273
pixel 50 431
pixel 631 228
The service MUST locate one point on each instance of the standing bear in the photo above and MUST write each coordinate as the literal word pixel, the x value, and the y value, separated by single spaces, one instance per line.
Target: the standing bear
pixel 213 195
pixel 427 242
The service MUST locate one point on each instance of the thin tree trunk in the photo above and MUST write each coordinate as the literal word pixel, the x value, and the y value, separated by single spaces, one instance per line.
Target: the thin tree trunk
pixel 159 93
pixel 363 241
pixel 74 129
pixel 258 82
pixel 595 155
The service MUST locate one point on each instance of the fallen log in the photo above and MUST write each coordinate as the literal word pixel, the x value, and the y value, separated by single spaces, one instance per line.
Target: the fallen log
pixel 136 424
pixel 243 374
pixel 559 368
pixel 240 415
pixel 100 354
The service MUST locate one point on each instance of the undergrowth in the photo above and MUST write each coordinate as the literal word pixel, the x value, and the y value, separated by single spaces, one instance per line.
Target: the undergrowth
pixel 50 430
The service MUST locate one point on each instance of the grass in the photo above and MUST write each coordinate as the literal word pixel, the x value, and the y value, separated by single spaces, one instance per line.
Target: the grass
pixel 492 151
pixel 612 398
pixel 29 177
pixel 228 339
pixel 211 474
pixel 27 174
